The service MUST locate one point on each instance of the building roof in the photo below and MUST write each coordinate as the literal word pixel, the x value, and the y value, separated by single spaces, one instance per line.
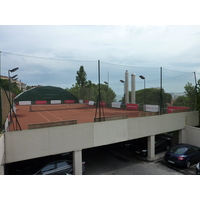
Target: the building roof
pixel 45 93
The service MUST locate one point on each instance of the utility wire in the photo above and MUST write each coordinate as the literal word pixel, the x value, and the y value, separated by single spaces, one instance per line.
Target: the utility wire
pixel 129 65
pixel 59 59
pixel 147 80
pixel 170 77
pixel 176 70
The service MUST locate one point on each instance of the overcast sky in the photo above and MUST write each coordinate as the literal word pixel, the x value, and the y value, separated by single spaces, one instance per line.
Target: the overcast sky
pixel 51 55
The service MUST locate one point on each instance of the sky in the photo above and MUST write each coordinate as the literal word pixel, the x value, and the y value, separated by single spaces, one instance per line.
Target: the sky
pixel 52 54
pixel 138 36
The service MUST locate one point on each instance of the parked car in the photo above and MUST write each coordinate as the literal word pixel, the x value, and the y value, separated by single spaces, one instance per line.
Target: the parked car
pixel 52 165
pixel 59 167
pixel 161 144
pixel 183 155
pixel 198 168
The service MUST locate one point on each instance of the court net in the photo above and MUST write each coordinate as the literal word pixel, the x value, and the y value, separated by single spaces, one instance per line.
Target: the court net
pixel 51 107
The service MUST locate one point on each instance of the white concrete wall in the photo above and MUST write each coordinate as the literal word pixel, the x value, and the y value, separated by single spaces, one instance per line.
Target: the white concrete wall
pixel 192 135
pixel 48 141
pixel 1 154
pixel 110 132
pixel 27 144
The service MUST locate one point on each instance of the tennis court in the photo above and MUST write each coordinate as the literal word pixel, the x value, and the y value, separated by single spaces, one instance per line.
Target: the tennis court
pixel 83 113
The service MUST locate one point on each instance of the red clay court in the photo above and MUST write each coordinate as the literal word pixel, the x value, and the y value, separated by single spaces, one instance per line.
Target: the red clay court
pixel 83 113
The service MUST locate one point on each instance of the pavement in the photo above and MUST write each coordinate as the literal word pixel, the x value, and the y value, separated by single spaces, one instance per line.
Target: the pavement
pixel 110 161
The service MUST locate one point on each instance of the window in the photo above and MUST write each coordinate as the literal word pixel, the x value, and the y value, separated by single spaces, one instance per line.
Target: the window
pixel 160 141
pixel 61 164
pixel 48 167
pixel 195 149
pixel 178 150
pixel 189 151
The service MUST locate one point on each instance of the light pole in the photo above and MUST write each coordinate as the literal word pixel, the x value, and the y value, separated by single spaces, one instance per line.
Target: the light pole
pixel 14 77
pixel 10 71
pixel 107 91
pixel 122 81
pixel 143 78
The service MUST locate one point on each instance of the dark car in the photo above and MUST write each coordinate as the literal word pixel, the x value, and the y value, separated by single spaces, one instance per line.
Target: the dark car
pixel 51 165
pixel 183 155
pixel 59 167
pixel 161 144
pixel 198 168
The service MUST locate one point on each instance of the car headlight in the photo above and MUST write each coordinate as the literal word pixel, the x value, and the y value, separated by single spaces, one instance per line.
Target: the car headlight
pixel 144 151
pixel 197 166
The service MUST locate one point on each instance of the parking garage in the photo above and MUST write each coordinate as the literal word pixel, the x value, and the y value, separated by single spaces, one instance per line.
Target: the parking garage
pixel 29 144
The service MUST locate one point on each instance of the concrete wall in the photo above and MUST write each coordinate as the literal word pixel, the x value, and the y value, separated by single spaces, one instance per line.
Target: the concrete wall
pixel 192 135
pixel 27 144
pixel 1 154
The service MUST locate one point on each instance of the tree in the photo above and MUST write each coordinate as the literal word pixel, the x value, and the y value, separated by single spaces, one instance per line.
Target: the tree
pixel 107 94
pixel 150 96
pixel 153 96
pixel 191 96
pixel 81 80
pixel 75 90
pixel 181 101
pixel 12 87
pixel 86 90
pixel 81 77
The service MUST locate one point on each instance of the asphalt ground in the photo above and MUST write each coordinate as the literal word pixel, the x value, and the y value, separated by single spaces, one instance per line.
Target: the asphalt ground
pixel 110 161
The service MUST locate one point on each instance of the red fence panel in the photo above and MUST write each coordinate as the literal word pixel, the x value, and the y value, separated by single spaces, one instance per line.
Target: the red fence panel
pixel 103 103
pixel 40 102
pixel 132 106
pixel 69 101
pixel 171 108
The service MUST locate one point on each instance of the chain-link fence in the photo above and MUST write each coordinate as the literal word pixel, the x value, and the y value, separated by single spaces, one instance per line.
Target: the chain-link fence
pixel 149 80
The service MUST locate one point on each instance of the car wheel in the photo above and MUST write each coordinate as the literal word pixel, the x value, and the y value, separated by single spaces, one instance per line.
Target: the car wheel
pixel 188 164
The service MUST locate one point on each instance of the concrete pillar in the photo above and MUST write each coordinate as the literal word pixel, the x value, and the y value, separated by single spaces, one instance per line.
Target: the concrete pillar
pixel 126 88
pixel 2 154
pixel 77 162
pixel 133 97
pixel 181 136
pixel 1 169
pixel 151 147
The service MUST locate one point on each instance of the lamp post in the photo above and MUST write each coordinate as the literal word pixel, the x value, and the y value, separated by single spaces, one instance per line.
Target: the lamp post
pixel 10 71
pixel 107 90
pixel 14 77
pixel 122 81
pixel 143 78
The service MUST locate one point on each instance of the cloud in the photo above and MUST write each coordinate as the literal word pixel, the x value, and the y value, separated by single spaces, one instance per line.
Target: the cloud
pixel 139 49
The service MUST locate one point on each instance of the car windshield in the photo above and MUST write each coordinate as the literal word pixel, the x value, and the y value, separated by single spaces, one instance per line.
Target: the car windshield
pixel 178 150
